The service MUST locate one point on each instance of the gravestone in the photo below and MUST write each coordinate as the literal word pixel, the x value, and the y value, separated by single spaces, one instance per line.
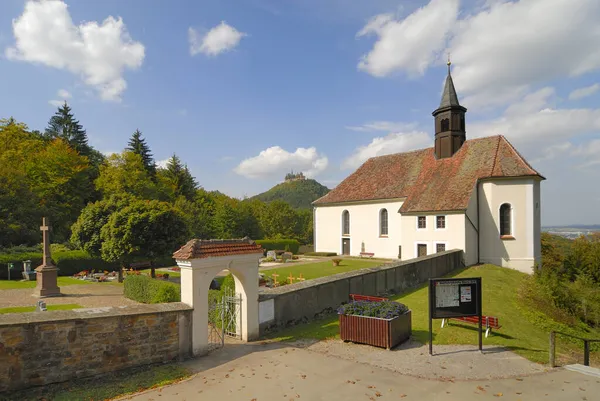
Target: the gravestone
pixel 28 274
pixel 41 306
pixel 46 274
pixel 272 254
pixel 286 256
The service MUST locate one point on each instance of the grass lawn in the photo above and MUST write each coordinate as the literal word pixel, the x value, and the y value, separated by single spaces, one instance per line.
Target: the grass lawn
pixel 21 309
pixel 321 269
pixel 523 330
pixel 109 386
pixel 62 281
pixel 171 273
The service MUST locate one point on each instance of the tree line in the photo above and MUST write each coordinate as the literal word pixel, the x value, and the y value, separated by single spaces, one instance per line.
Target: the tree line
pixel 120 204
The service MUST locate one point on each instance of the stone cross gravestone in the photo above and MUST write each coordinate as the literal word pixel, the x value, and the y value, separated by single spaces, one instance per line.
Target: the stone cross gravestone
pixel 46 274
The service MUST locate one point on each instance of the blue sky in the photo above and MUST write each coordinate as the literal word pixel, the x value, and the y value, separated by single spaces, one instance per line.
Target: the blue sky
pixel 245 90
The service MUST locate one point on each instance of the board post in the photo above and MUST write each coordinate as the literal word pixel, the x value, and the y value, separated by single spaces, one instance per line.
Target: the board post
pixel 431 306
pixel 480 307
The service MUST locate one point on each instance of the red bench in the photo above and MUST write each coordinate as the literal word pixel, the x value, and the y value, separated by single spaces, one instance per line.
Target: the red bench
pixel 369 254
pixel 356 297
pixel 489 322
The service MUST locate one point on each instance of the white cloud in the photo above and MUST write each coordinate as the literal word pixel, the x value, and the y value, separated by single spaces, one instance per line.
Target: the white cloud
pixel 391 143
pixel 388 126
pixel 589 153
pixel 410 44
pixel 63 93
pixel 162 163
pixel 500 49
pixel 510 45
pixel 275 161
pixel 45 34
pixel 219 39
pixel 584 92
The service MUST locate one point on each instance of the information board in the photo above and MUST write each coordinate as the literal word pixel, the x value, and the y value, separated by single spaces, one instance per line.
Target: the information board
pixel 453 298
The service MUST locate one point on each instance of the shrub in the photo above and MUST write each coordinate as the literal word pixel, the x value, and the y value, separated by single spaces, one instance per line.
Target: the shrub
pixel 147 290
pixel 277 244
pixel 382 310
pixel 336 262
pixel 266 260
pixel 320 254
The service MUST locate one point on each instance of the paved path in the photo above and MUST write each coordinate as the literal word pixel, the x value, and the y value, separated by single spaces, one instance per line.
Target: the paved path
pixel 86 295
pixel 282 372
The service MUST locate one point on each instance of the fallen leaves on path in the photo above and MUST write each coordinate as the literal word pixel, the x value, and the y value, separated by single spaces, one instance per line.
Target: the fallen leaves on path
pixel 498 395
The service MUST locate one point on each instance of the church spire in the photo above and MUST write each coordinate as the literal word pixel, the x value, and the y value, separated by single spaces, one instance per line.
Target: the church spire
pixel 449 96
pixel 450 131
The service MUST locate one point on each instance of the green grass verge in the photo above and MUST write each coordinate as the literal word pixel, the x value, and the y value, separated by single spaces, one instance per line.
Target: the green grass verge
pixel 22 309
pixel 523 330
pixel 320 269
pixel 170 272
pixel 107 387
pixel 62 281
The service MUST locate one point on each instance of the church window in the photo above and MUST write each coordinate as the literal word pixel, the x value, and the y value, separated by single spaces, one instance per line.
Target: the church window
pixel 505 220
pixel 421 250
pixel 345 223
pixel 445 124
pixel 422 222
pixel 440 247
pixel 440 222
pixel 383 222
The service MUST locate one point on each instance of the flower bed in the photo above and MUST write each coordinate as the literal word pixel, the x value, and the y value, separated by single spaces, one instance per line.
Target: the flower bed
pixel 379 323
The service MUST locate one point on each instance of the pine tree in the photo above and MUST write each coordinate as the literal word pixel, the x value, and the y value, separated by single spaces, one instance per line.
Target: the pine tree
pixel 138 145
pixel 178 177
pixel 64 125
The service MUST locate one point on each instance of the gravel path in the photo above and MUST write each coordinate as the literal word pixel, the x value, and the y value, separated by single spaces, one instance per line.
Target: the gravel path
pixel 449 362
pixel 86 295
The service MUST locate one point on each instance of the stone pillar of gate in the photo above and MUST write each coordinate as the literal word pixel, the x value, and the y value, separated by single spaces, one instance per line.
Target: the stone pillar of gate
pixel 200 261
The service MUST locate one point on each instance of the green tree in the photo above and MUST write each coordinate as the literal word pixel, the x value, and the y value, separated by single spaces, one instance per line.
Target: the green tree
pixel 279 221
pixel 143 230
pixel 138 145
pixel 58 178
pixel 85 232
pixel 64 125
pixel 125 173
pixel 177 178
pixel 199 216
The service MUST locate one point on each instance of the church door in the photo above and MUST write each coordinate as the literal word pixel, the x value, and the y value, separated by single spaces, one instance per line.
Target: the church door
pixel 345 246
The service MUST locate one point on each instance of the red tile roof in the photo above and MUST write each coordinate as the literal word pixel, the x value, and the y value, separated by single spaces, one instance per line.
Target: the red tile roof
pixel 429 184
pixel 198 248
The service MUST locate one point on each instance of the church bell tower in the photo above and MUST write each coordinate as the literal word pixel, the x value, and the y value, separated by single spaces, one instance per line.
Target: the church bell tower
pixel 450 131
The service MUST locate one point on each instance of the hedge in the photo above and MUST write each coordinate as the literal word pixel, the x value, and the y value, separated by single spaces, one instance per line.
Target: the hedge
pixel 148 290
pixel 291 245
pixel 68 263
pixel 320 254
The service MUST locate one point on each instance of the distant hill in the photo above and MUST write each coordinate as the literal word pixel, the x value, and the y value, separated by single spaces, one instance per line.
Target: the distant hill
pixel 298 191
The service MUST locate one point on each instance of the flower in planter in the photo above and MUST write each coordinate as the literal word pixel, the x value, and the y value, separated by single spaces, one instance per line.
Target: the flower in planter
pixel 379 309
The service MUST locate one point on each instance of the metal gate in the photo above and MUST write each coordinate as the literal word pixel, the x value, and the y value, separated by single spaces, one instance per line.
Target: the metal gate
pixel 224 319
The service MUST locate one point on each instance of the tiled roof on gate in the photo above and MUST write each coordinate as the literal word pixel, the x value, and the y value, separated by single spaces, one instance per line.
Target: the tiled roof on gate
pixel 198 248
pixel 428 184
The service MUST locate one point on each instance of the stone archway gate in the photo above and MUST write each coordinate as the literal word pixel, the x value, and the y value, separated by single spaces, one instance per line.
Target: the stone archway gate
pixel 200 261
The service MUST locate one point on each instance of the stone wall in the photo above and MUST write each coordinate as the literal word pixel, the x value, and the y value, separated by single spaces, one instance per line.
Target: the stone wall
pixel 301 302
pixel 46 347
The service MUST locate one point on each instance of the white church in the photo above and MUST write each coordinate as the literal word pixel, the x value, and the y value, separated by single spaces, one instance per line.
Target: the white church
pixel 478 195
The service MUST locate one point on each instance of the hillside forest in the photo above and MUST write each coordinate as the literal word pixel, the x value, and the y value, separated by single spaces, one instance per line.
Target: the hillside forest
pixel 119 204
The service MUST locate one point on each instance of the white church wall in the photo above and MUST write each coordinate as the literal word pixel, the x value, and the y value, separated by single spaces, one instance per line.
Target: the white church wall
pixel 364 227
pixel 471 227
pixel 518 252
pixel 453 236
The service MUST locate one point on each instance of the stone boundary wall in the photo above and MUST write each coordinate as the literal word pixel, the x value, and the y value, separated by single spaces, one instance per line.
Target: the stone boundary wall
pixel 47 347
pixel 301 302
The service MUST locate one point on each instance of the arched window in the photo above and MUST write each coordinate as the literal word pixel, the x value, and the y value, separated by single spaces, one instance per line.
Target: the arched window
pixel 383 222
pixel 505 219
pixel 345 223
pixel 445 124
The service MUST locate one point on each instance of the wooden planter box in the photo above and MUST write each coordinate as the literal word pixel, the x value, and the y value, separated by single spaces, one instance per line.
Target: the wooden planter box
pixel 384 333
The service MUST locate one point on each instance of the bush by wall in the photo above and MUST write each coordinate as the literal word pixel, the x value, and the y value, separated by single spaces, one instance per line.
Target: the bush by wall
pixel 147 290
pixel 320 254
pixel 279 244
